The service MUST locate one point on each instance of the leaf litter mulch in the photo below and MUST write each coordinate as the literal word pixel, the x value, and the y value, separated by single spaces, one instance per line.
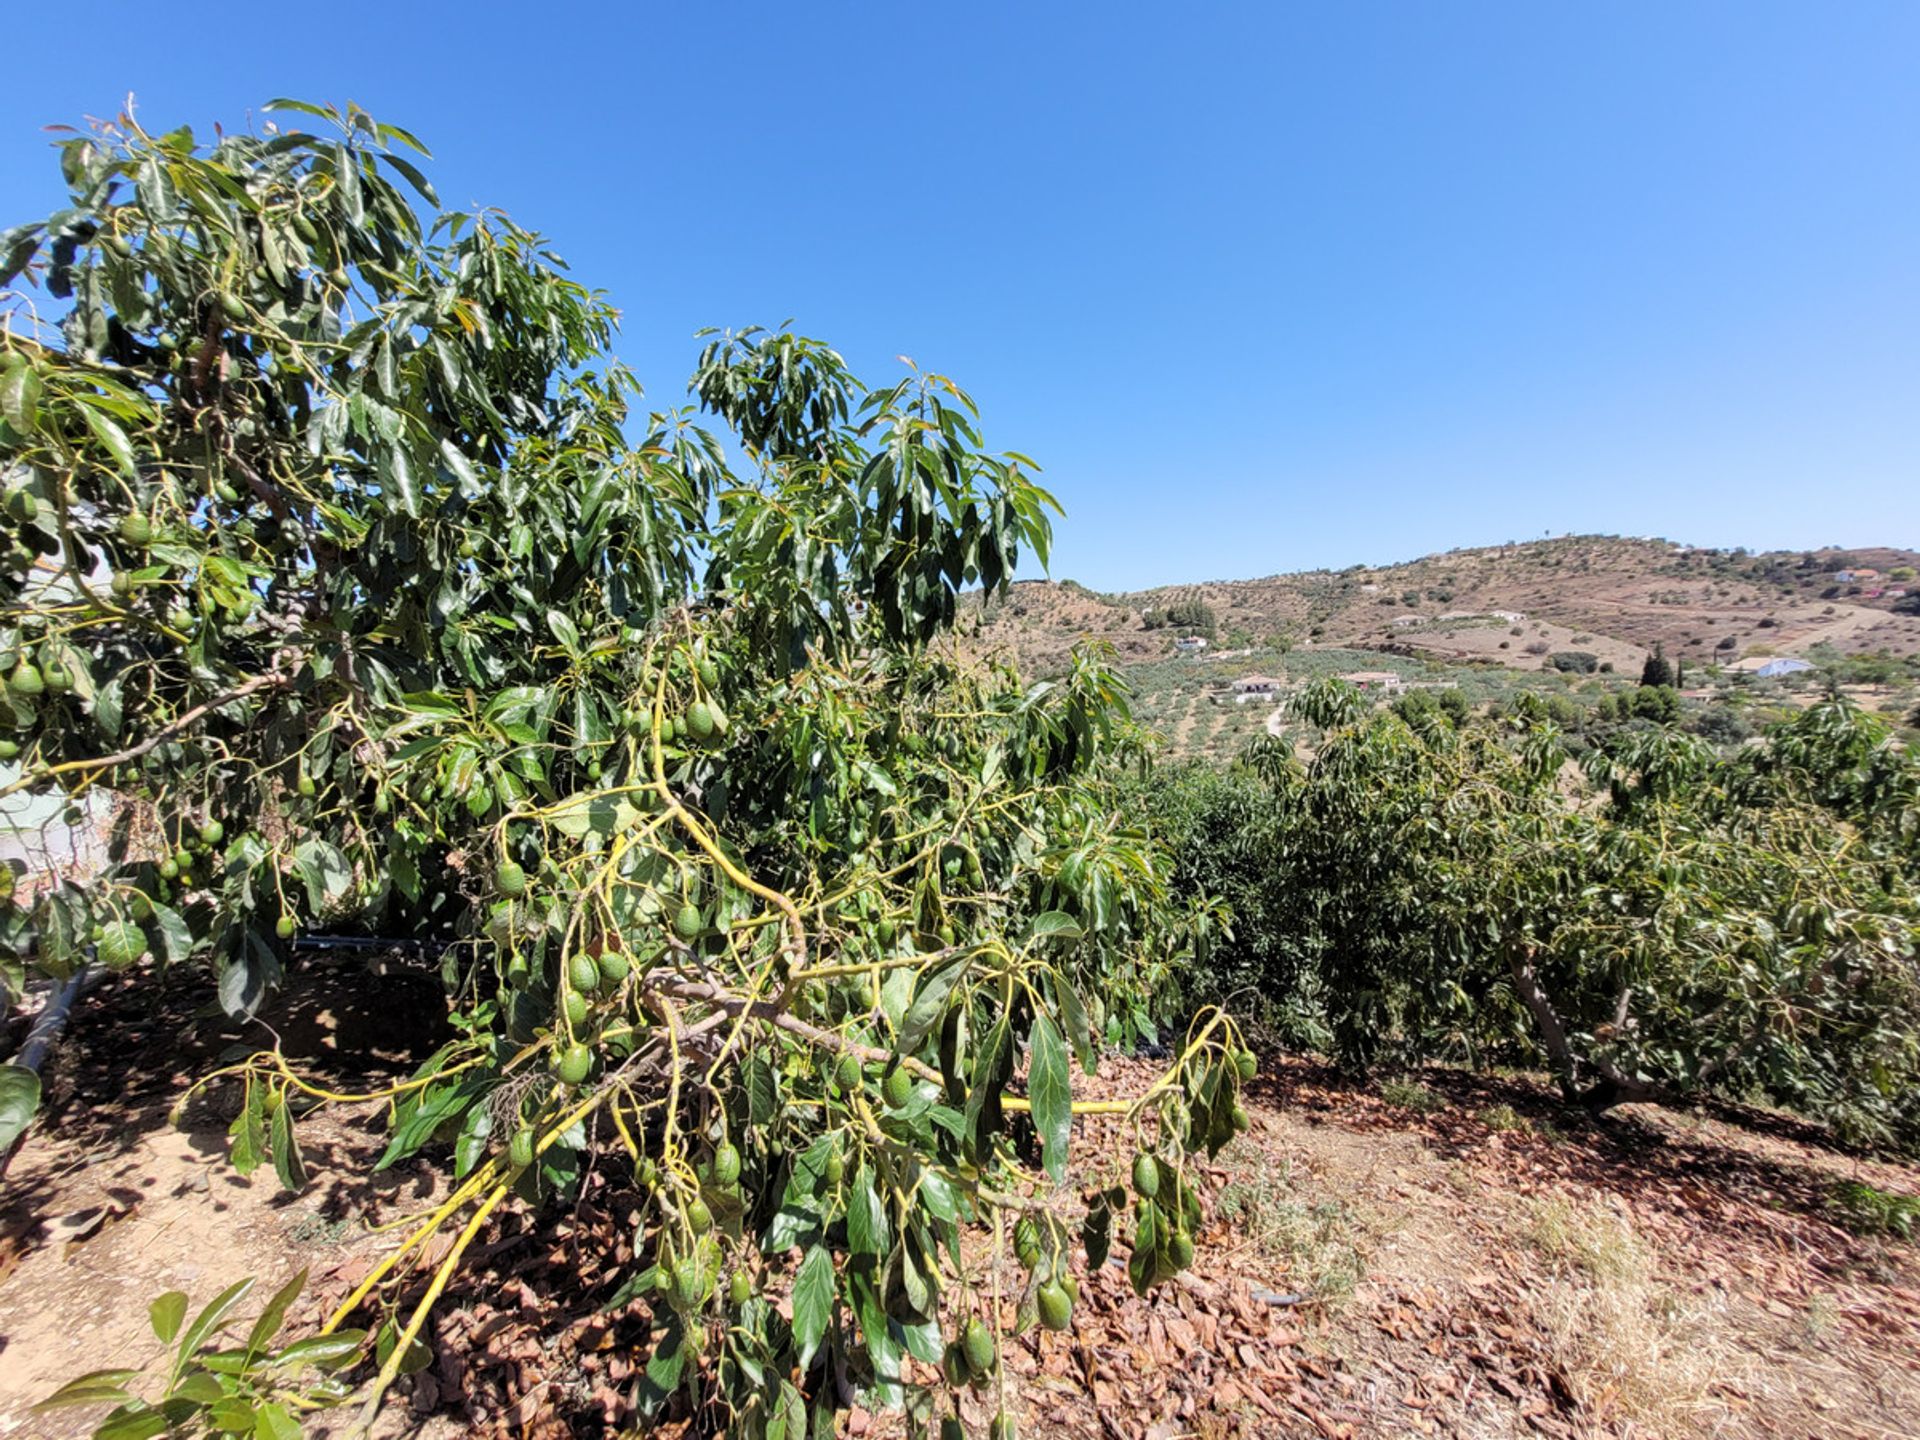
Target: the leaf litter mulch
pixel 1446 1255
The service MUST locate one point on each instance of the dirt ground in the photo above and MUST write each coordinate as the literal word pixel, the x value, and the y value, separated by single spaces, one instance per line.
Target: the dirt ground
pixel 1446 1255
pixel 109 1203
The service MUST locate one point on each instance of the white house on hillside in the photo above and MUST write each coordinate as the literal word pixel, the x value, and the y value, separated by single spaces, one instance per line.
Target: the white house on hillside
pixel 1373 680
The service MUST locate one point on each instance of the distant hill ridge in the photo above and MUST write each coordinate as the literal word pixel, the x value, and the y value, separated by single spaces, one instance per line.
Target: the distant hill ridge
pixel 1507 604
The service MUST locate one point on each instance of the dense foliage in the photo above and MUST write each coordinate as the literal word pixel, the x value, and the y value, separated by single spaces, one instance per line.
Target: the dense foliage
pixel 1191 615
pixel 342 559
pixel 1666 918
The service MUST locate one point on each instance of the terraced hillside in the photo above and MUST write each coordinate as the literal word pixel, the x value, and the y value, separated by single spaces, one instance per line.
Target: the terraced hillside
pixel 1512 605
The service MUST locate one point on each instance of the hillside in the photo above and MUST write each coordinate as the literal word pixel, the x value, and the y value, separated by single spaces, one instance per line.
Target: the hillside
pixel 1511 605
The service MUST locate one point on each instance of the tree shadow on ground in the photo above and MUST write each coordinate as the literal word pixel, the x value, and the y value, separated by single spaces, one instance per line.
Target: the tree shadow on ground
pixel 142 1038
pixel 1628 1151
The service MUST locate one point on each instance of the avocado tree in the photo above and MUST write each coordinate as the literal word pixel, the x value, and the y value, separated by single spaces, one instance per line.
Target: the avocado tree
pixel 1673 921
pixel 342 560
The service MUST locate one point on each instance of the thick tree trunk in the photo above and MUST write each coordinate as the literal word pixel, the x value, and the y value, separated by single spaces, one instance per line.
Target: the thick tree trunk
pixel 1613 1087
pixel 1546 1020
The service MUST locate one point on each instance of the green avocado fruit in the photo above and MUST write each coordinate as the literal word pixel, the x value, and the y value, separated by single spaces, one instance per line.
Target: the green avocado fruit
pixel 1056 1310
pixel 583 974
pixel 688 922
pixel 848 1073
pixel 979 1346
pixel 614 967
pixel 520 1149
pixel 573 1063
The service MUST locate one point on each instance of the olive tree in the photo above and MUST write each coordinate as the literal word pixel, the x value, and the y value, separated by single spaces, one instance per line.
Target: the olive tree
pixel 343 559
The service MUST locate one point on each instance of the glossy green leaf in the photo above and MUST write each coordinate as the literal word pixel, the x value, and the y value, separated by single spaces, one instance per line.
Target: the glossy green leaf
pixel 813 1299
pixel 1049 1086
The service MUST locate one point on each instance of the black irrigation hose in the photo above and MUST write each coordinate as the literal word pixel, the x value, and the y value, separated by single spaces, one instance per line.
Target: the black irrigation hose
pixel 47 1027
pixel 368 942
pixel 51 1022
pixel 53 1016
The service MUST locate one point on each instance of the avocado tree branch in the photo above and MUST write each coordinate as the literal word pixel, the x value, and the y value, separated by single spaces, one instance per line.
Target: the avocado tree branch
pixel 271 679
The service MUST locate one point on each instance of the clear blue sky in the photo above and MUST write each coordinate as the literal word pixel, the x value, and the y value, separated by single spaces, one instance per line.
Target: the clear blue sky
pixel 1263 287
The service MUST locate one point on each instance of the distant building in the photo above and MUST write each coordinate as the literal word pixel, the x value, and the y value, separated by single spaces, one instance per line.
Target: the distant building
pixel 1771 667
pixel 1373 680
pixel 1250 685
pixel 1190 644
pixel 1404 620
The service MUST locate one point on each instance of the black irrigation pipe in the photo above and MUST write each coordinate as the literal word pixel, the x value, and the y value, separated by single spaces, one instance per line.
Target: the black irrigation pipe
pixel 47 1026
pixel 370 942
pixel 51 1022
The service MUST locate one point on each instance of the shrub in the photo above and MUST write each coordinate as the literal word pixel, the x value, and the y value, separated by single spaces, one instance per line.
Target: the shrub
pixel 1867 1210
pixel 1194 616
pixel 1410 1095
pixel 1721 724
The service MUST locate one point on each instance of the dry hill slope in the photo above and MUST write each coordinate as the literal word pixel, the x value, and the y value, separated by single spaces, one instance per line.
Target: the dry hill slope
pixel 1614 597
